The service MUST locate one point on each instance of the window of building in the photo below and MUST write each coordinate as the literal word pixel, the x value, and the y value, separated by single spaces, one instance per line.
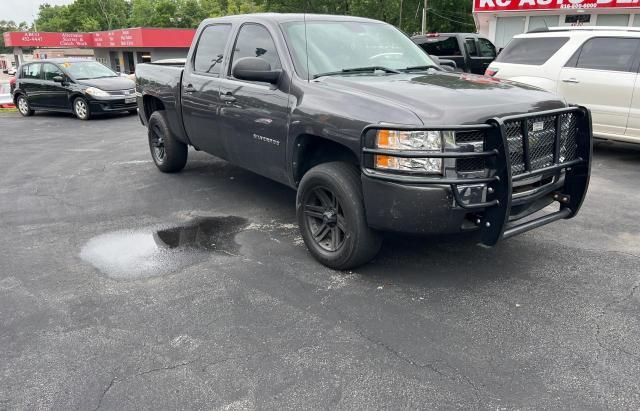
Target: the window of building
pixel 255 41
pixel 441 46
pixel 50 71
pixel 636 20
pixel 532 50
pixel 210 48
pixel 506 28
pixel 541 22
pixel 611 54
pixel 576 19
pixel 612 20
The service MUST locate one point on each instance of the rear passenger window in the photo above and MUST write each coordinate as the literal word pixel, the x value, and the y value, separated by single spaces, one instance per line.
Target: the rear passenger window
pixel 210 48
pixel 533 50
pixel 31 71
pixel 611 54
pixel 255 41
pixel 441 46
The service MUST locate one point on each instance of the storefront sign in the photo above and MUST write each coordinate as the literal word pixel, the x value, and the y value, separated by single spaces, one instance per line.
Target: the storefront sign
pixel 124 38
pixel 525 5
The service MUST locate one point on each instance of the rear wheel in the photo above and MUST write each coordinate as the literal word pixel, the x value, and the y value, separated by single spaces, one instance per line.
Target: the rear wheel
pixel 81 108
pixel 331 215
pixel 23 106
pixel 169 154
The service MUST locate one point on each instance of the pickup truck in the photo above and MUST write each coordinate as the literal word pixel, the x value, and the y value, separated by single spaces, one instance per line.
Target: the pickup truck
pixel 471 52
pixel 370 132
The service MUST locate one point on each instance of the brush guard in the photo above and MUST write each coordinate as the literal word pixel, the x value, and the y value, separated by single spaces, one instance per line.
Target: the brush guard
pixel 513 152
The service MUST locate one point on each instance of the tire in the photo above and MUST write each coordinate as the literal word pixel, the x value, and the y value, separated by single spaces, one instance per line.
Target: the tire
pixel 81 108
pixel 330 199
pixel 169 154
pixel 23 106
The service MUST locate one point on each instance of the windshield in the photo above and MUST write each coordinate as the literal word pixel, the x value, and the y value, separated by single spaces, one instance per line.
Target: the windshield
pixel 339 45
pixel 83 70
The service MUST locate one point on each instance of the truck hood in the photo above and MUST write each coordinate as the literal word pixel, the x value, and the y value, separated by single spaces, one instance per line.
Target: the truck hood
pixel 109 83
pixel 439 98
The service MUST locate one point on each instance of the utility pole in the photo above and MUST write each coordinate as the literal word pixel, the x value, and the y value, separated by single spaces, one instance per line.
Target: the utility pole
pixel 424 17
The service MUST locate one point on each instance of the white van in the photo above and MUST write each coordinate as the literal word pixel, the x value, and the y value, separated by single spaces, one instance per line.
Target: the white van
pixel 592 66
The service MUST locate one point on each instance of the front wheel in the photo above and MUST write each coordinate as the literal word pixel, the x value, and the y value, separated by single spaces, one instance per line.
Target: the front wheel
pixel 331 215
pixel 81 108
pixel 169 154
pixel 23 106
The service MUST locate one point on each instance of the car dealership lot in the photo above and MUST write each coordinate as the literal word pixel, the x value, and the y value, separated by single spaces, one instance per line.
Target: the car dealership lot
pixel 548 319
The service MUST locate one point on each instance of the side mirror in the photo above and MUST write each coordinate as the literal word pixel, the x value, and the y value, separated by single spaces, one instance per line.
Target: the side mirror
pixel 255 69
pixel 58 79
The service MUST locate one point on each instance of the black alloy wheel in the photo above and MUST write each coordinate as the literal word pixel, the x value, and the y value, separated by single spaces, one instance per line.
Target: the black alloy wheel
pixel 325 217
pixel 332 217
pixel 168 153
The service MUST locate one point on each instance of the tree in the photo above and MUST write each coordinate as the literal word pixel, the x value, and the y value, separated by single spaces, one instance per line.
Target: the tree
pixel 10 25
pixel 90 15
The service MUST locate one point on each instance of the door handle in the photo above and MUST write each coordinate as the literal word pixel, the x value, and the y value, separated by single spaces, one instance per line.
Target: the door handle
pixel 189 88
pixel 570 80
pixel 228 97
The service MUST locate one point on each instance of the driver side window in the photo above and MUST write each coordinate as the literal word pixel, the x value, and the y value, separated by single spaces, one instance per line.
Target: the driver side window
pixel 50 71
pixel 254 40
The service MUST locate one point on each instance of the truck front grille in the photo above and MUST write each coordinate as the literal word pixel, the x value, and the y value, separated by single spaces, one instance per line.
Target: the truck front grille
pixel 474 138
pixel 538 150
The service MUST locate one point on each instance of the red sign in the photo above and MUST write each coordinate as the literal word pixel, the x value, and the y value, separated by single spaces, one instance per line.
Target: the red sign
pixel 122 38
pixel 524 5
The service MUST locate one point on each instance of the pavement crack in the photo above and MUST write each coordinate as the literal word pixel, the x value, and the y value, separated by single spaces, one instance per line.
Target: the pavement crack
pixel 105 391
pixel 167 368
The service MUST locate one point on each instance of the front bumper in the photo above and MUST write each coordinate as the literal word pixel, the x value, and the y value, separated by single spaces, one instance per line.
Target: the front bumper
pixel 514 184
pixel 107 105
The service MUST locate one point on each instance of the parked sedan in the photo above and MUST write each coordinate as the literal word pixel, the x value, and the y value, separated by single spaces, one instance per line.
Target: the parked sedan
pixel 82 87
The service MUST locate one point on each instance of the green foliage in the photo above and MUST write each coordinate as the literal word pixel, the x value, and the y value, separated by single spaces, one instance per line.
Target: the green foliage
pixel 10 25
pixel 90 15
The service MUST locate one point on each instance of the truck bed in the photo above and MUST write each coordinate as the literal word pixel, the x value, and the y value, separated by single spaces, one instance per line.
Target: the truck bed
pixel 161 80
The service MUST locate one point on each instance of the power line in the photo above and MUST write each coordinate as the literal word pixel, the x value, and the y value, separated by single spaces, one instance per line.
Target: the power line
pixel 450 19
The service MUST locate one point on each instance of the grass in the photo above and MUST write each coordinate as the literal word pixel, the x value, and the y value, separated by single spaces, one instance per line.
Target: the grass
pixel 7 110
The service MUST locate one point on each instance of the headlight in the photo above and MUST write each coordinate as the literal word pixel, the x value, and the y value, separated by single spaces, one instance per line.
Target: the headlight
pixel 96 92
pixel 411 141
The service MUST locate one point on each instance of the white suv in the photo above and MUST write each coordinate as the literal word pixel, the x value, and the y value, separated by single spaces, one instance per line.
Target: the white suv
pixel 592 66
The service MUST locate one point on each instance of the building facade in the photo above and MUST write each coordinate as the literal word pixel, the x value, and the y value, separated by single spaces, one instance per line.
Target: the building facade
pixel 500 20
pixel 119 49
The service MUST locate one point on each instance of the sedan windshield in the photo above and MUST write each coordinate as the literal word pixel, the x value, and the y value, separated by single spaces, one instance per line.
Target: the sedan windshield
pixel 346 46
pixel 84 70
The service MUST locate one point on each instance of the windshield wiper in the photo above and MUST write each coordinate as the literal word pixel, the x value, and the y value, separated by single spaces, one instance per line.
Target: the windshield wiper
pixel 369 69
pixel 421 68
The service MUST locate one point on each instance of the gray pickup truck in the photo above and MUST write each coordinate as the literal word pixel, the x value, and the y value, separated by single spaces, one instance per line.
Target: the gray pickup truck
pixel 370 132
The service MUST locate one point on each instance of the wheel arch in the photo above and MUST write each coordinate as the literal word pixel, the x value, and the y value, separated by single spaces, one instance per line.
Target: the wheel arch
pixel 310 150
pixel 151 104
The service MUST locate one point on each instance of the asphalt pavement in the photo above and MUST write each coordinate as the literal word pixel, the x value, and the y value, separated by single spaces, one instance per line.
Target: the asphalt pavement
pixel 101 307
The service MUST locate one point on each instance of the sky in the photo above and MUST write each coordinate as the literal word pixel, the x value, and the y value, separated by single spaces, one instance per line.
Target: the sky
pixel 24 10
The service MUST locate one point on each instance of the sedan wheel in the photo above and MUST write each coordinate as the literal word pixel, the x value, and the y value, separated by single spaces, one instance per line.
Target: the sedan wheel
pixel 23 106
pixel 81 108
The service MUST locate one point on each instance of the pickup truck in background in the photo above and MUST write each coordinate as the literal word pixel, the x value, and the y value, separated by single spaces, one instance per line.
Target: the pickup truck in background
pixel 370 132
pixel 471 52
